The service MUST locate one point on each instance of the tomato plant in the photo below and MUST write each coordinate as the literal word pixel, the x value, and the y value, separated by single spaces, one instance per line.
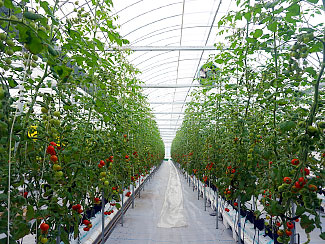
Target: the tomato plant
pixel 78 113
pixel 260 121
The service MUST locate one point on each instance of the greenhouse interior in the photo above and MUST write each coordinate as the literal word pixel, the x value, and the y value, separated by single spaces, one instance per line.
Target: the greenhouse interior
pixel 172 121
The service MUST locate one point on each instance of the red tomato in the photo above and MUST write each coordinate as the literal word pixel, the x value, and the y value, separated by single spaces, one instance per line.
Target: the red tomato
pixel 44 227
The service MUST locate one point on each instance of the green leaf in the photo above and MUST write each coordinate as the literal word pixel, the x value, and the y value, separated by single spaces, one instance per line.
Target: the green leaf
pixel 219 61
pixel 294 9
pixel 238 16
pixel 273 26
pixel 45 6
pixel 9 4
pixel 311 71
pixel 3 197
pixel 322 235
pixel 300 210
pixel 258 33
pixel 12 82
pixel 118 206
pixel 287 126
pixel 247 16
pixel 30 212
pixel 251 40
pixel 310 228
pixel 312 1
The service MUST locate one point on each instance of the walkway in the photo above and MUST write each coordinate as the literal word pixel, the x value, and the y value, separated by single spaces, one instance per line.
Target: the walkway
pixel 140 223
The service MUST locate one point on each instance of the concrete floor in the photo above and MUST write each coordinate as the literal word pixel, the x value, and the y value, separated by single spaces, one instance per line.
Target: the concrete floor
pixel 140 223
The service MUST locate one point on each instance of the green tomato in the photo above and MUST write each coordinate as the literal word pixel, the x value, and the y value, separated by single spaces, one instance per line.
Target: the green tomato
pixel 10 52
pixel 57 167
pixel 106 183
pixel 14 17
pixel 44 110
pixel 59 174
pixel 32 24
pixel 42 28
pixel 312 130
pixel 57 114
pixel 57 122
pixel 44 240
pixel 304 55
pixel 8 61
pixel 302 124
pixel 10 43
pixel 321 125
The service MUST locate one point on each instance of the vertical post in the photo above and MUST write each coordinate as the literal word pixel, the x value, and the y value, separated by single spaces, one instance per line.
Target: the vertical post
pixel 198 189
pixel 217 209
pixel 139 187
pixel 132 196
pixel 189 181
pixel 103 216
pixel 205 198
pixel 210 191
pixel 58 240
pixel 193 182
pixel 36 227
pixel 293 236
pixel 122 209
pixel 239 222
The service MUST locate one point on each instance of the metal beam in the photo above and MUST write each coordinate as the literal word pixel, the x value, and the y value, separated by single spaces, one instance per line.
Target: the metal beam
pixel 165 48
pixel 167 127
pixel 172 119
pixel 170 86
pixel 167 102
pixel 170 124
pixel 168 112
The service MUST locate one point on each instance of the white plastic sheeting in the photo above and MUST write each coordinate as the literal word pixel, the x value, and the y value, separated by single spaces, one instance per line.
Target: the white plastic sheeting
pixel 172 213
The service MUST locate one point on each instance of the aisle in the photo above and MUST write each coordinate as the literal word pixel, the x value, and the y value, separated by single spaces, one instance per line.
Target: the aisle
pixel 140 223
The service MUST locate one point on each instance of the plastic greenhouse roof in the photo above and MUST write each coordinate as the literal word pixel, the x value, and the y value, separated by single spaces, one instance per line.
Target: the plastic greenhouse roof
pixel 168 75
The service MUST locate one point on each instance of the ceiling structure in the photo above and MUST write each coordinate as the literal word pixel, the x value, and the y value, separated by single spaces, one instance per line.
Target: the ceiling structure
pixel 171 40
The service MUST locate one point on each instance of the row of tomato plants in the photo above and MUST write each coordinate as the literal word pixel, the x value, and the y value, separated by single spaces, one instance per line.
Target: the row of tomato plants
pixel 78 129
pixel 256 130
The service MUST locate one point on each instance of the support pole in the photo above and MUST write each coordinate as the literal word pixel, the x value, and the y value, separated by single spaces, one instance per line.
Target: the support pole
pixel 198 189
pixel 103 216
pixel 58 239
pixel 217 209
pixel 239 222
pixel 193 182
pixel 122 204
pixel 293 236
pixel 205 198
pixel 139 188
pixel 132 196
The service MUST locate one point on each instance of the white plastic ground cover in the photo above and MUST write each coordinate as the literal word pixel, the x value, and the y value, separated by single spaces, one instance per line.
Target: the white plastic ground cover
pixel 230 219
pixel 247 233
pixel 88 237
pixel 140 223
pixel 172 214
